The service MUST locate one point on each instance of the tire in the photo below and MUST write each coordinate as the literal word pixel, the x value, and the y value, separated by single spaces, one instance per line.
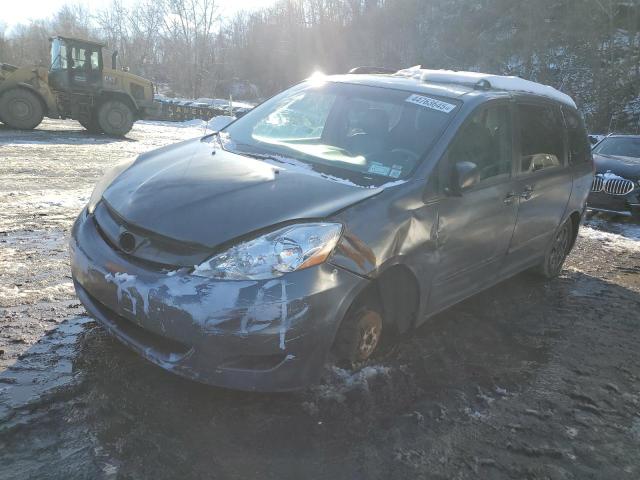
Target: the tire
pixel 359 336
pixel 115 118
pixel 91 125
pixel 557 252
pixel 21 109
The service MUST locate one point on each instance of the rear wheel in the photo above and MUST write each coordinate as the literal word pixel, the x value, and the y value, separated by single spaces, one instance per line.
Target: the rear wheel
pixel 21 109
pixel 115 118
pixel 359 336
pixel 557 251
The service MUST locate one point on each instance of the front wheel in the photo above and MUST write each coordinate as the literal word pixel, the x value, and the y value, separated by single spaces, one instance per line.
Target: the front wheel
pixel 115 118
pixel 557 251
pixel 21 109
pixel 358 336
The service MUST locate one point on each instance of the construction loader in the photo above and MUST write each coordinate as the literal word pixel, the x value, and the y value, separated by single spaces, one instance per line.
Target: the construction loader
pixel 78 85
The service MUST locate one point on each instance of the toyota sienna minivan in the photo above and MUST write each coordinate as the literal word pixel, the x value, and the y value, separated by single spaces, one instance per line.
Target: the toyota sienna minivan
pixel 342 211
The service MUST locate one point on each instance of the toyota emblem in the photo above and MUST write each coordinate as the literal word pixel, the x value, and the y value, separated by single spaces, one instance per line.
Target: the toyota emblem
pixel 127 242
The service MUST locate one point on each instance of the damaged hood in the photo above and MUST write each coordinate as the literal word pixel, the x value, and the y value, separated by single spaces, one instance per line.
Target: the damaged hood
pixel 196 193
pixel 626 167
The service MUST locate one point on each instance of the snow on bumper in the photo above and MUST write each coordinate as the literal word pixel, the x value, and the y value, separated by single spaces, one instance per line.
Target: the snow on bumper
pixel 253 335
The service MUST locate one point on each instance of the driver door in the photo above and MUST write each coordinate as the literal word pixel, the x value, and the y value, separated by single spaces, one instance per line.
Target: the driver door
pixel 475 226
pixel 85 68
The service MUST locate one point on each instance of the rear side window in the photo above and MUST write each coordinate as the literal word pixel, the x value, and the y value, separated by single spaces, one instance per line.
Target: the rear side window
pixel 541 137
pixel 579 147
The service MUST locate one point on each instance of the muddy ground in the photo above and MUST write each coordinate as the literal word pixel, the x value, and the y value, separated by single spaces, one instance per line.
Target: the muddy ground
pixel 528 380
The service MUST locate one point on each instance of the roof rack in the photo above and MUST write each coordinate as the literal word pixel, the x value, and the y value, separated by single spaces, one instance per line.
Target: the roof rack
pixel 485 81
pixel 371 70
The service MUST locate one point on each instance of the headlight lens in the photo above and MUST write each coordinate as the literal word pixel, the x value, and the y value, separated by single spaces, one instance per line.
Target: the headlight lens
pixel 109 176
pixel 288 249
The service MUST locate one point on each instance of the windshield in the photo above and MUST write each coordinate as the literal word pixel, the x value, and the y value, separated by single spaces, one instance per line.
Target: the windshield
pixel 621 146
pixel 368 135
pixel 58 55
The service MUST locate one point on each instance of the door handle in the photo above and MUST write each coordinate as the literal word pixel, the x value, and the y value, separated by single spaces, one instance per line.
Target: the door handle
pixel 527 193
pixel 509 198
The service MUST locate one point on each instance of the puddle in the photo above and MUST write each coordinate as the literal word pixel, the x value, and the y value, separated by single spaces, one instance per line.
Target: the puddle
pixel 45 366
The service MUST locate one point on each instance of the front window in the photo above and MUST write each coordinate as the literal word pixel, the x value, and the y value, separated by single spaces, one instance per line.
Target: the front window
pixel 620 146
pixel 58 55
pixel 83 58
pixel 368 135
pixel 485 140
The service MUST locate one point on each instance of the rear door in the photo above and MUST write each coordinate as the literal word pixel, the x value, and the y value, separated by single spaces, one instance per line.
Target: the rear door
pixel 475 228
pixel 543 181
pixel 580 157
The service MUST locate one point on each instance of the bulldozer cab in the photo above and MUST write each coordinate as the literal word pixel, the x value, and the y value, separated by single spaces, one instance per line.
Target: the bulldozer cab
pixel 76 65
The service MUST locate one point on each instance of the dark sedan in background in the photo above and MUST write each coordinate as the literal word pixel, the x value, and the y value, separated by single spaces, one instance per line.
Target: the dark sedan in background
pixel 616 185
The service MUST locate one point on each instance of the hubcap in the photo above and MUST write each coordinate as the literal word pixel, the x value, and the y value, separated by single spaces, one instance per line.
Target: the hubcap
pixel 370 332
pixel 115 117
pixel 20 109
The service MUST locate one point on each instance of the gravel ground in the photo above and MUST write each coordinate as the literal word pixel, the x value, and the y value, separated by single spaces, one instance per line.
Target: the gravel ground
pixel 528 380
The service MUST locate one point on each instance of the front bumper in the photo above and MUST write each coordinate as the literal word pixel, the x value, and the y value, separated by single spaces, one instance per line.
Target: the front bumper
pixel 268 335
pixel 626 205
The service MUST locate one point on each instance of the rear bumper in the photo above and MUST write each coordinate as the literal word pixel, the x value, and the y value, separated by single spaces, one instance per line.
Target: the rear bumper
pixel 269 335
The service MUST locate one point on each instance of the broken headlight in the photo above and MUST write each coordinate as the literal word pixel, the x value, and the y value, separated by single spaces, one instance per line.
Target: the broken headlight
pixel 106 179
pixel 287 249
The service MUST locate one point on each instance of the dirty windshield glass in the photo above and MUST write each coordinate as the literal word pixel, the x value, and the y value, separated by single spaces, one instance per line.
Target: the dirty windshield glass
pixel 58 55
pixel 624 147
pixel 369 135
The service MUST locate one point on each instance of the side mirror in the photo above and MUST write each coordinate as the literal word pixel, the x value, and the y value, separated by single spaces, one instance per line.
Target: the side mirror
pixel 463 175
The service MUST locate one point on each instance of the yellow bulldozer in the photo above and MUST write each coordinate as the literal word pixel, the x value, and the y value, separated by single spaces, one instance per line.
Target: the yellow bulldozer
pixel 78 85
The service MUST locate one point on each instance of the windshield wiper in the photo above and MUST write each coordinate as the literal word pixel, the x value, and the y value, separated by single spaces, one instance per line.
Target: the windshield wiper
pixel 259 156
pixel 267 156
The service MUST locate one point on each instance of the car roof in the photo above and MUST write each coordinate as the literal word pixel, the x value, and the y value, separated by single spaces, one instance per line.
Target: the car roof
pixel 456 84
pixel 406 84
pixel 623 135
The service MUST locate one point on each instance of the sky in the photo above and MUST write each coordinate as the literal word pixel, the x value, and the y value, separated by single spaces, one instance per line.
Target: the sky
pixel 13 12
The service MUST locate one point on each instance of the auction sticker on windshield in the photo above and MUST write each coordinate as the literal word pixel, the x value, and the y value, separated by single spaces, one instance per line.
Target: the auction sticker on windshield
pixel 378 169
pixel 431 103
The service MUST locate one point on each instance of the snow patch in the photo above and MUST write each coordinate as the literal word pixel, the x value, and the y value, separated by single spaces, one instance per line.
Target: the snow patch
pixel 300 167
pixel 609 176
pixel 219 122
pixel 499 82
pixel 215 124
pixel 627 230
pixel 43 199
pixel 611 241
pixel 341 381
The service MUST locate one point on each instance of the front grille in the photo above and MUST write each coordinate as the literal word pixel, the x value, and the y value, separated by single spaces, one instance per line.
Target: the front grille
pixel 155 250
pixel 618 186
pixel 597 185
